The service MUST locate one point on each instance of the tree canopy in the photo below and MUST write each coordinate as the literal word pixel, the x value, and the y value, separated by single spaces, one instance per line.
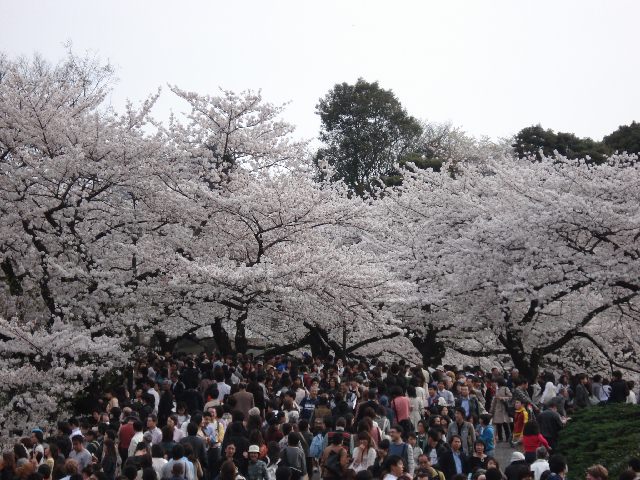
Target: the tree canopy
pixel 365 131
pixel 534 140
pixel 625 139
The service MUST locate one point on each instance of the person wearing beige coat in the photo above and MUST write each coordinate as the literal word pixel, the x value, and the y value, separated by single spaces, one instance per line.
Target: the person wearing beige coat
pixel 499 411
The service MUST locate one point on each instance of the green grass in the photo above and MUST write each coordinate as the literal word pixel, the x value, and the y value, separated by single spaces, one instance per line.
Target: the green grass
pixel 608 435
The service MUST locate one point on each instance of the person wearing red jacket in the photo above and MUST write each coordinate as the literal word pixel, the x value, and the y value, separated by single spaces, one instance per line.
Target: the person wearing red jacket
pixel 531 440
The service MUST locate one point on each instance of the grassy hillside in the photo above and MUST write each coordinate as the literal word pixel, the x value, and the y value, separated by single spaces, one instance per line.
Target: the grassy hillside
pixel 608 435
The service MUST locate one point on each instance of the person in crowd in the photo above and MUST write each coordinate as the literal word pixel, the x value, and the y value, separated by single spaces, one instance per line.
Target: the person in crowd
pixel 597 472
pixel 333 457
pixel 257 469
pixel 486 433
pixel 157 460
pixel 541 463
pixel 454 461
pixel 398 447
pixel 598 390
pixel 138 437
pixel 479 458
pixel 517 467
pixel 463 429
pixel 293 456
pixel 520 418
pixel 109 460
pixel 424 467
pixel 364 455
pixel 557 467
pixel 531 440
pixel 619 388
pixel 79 453
pixel 469 403
pixel 196 442
pixel 229 471
pixel 581 397
pixel 178 456
pixel 551 423
pixel 395 466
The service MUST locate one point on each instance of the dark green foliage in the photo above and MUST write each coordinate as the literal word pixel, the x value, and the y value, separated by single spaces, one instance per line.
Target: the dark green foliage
pixel 608 435
pixel 421 161
pixel 625 139
pixel 530 140
pixel 365 131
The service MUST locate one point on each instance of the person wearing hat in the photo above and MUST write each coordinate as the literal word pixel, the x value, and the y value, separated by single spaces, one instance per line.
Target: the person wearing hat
pixel 517 466
pixel 257 469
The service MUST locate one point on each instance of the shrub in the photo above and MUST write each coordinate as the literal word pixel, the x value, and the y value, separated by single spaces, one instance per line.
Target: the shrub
pixel 608 435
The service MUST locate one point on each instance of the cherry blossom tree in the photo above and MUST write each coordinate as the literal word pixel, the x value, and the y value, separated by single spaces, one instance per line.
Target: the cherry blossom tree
pixel 258 242
pixel 75 254
pixel 519 257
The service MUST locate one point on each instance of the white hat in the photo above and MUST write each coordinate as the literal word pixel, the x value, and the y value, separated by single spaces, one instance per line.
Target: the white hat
pixel 256 449
pixel 516 456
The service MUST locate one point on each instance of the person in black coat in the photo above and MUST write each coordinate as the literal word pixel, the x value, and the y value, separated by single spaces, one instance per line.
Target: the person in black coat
pixel 619 388
pixel 166 404
pixel 436 448
pixel 448 464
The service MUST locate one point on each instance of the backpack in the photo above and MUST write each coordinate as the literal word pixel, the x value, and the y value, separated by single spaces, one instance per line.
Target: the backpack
pixel 315 450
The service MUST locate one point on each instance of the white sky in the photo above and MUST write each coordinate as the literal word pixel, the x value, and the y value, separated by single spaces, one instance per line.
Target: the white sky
pixel 492 67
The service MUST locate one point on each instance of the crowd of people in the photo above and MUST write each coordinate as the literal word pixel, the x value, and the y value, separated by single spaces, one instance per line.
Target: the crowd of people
pixel 208 417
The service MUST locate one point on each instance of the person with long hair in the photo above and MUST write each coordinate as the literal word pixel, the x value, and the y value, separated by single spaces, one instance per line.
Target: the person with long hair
pixel 8 470
pixel 364 455
pixel 109 460
pixel 421 434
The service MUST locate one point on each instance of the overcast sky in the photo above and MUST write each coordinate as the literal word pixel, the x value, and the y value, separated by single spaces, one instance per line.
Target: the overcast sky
pixel 492 67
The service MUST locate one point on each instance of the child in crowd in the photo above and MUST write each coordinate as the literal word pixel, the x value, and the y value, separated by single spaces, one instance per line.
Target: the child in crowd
pixel 520 418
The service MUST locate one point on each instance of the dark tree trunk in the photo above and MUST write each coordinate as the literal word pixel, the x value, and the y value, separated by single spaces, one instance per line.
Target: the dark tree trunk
pixel 221 337
pixel 15 287
pixel 242 345
pixel 431 349
pixel 528 365
pixel 318 346
pixel 163 343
